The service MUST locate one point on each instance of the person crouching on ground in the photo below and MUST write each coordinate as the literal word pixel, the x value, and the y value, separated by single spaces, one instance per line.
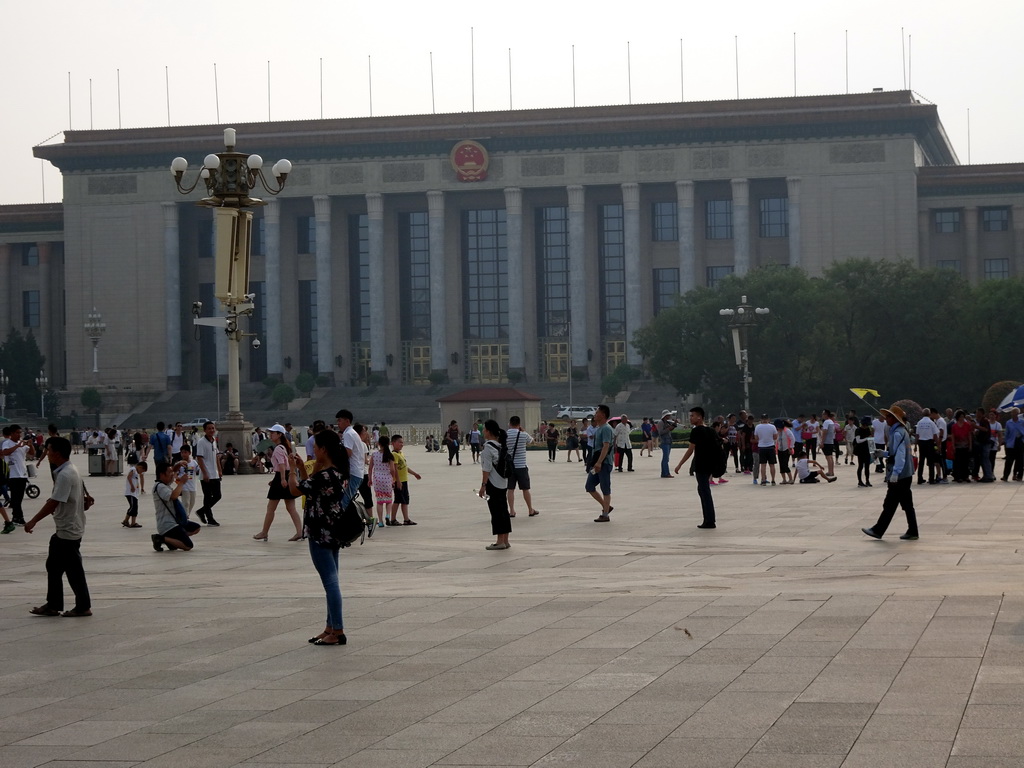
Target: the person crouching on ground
pixel 804 472
pixel 173 528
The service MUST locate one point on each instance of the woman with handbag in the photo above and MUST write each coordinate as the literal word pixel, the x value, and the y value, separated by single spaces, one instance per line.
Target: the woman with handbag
pixel 322 517
pixel 280 489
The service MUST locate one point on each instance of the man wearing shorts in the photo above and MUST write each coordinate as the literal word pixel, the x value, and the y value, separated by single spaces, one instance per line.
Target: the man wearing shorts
pixel 600 473
pixel 517 439
pixel 765 434
pixel 827 432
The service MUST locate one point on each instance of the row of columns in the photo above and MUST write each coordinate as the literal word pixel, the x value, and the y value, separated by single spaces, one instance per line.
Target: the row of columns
pixel 515 249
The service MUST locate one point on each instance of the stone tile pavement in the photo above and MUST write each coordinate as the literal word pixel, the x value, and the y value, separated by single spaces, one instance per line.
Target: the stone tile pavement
pixel 782 639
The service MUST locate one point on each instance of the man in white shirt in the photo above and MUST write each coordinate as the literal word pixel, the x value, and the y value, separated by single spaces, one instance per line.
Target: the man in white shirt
pixel 827 432
pixel 943 433
pixel 15 450
pixel 927 447
pixel 878 427
pixel 208 458
pixel 177 440
pixel 516 439
pixel 356 450
pixel 765 434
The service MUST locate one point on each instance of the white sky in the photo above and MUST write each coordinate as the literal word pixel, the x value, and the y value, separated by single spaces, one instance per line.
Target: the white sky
pixel 961 57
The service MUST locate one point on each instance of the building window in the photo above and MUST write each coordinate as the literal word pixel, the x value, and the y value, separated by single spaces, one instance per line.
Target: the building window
pixel 305 234
pixel 414 257
pixel 553 307
pixel 774 217
pixel 947 222
pixel 485 265
pixel 30 255
pixel 612 258
pixel 666 288
pixel 30 309
pixel 995 219
pixel 258 326
pixel 664 222
pixel 204 245
pixel 359 276
pixel 952 264
pixel 307 326
pixel 995 269
pixel 718 220
pixel 259 237
pixel 717 274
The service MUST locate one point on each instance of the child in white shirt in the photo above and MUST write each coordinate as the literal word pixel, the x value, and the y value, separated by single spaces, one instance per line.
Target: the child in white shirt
pixel 132 487
pixel 187 467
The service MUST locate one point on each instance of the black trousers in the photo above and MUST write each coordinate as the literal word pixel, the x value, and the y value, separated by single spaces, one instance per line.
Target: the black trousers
pixel 211 495
pixel 707 504
pixel 497 505
pixel 928 456
pixel 625 455
pixel 16 486
pixel 65 557
pixel 898 494
pixel 1012 461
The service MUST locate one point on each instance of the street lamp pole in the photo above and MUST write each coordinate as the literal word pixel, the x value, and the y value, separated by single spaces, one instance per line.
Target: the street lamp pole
pixel 744 317
pixel 4 381
pixel 94 329
pixel 42 382
pixel 229 177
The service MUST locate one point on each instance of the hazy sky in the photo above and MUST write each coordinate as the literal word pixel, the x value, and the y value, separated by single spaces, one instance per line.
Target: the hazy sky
pixel 959 56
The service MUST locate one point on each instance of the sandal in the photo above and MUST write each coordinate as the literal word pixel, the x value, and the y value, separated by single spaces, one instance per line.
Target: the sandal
pixel 42 610
pixel 534 513
pixel 134 525
pixel 408 522
pixel 297 537
pixel 260 537
pixel 75 613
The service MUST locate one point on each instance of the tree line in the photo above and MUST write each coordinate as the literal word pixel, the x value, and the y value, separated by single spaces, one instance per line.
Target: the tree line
pixel 923 334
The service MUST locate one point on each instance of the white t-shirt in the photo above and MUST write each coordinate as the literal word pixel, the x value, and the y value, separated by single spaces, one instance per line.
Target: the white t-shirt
pixel 940 424
pixel 191 470
pixel 802 469
pixel 207 451
pixel 132 478
pixel 766 434
pixel 828 432
pixel 177 441
pixel 16 459
pixel 357 461
pixel 926 430
pixel 879 427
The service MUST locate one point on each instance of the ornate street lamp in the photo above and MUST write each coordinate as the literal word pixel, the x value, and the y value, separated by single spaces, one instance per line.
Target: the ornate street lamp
pixel 94 329
pixel 42 383
pixel 745 318
pixel 4 381
pixel 230 177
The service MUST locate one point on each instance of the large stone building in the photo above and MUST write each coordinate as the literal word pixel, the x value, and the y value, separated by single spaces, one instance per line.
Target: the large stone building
pixel 466 243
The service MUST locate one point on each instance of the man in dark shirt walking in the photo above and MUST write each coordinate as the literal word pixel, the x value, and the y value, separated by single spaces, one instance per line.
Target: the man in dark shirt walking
pixel 707 446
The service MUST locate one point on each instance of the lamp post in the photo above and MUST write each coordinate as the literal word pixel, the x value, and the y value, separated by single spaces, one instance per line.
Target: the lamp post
pixel 4 381
pixel 94 329
pixel 229 177
pixel 744 318
pixel 42 382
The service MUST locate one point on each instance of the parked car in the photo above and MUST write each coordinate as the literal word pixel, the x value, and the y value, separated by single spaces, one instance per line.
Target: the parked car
pixel 575 411
pixel 197 423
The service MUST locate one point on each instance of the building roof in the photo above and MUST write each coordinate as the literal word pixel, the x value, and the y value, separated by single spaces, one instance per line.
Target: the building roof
pixel 31 218
pixel 488 394
pixel 736 120
pixel 958 180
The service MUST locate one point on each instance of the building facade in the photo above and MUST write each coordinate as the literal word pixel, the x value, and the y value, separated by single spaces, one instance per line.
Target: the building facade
pixel 475 246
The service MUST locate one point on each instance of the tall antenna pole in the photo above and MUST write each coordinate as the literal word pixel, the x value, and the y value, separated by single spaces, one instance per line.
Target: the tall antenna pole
pixel 472 69
pixel 682 81
pixel 167 90
pixel 847 36
pixel 910 62
pixel 573 76
pixel 268 90
pixel 119 98
pixel 321 87
pixel 510 78
pixel 216 91
pixel 629 74
pixel 369 78
pixel 794 63
pixel 968 135
pixel 42 175
pixel 903 50
pixel 736 41
pixel 433 106
pixel 69 101
pixel 90 103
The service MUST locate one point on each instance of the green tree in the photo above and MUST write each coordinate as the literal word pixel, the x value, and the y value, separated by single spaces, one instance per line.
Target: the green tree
pixel 305 382
pixel 22 361
pixel 92 401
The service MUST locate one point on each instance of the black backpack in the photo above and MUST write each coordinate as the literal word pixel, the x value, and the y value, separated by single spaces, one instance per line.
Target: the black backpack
pixel 504 467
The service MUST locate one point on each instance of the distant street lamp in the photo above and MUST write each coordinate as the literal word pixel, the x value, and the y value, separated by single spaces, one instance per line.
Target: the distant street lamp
pixel 94 329
pixel 42 383
pixel 229 177
pixel 4 381
pixel 745 318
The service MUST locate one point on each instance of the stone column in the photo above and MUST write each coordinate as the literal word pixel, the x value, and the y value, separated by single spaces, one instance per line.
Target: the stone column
pixel 272 282
pixel 793 192
pixel 688 278
pixel 631 237
pixel 1017 220
pixel 378 313
pixel 324 281
pixel 924 236
pixel 577 278
pixel 972 269
pixel 438 327
pixel 172 295
pixel 516 289
pixel 741 226
pixel 46 317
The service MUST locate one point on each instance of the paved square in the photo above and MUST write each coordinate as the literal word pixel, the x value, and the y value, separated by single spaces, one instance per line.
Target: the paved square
pixel 785 638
